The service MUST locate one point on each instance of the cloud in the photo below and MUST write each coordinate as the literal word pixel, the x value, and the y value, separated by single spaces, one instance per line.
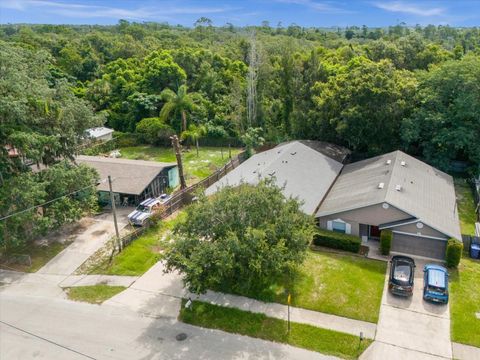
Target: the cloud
pixel 79 10
pixel 325 6
pixel 408 8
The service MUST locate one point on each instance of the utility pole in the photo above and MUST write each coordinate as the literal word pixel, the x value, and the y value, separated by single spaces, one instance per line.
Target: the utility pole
pixel 176 148
pixel 252 76
pixel 289 299
pixel 114 209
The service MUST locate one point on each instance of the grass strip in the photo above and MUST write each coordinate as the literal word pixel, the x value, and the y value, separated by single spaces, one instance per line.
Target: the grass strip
pixel 260 326
pixel 94 294
pixel 465 302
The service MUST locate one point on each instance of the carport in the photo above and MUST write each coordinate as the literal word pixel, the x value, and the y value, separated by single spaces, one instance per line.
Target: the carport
pixel 419 245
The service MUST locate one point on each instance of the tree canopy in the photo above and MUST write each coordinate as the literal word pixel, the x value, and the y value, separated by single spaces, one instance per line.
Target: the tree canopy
pixel 239 238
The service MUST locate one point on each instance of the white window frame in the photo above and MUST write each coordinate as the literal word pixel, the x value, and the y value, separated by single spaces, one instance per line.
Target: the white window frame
pixel 348 227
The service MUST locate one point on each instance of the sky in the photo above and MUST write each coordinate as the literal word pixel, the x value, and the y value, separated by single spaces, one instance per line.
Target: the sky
pixel 317 13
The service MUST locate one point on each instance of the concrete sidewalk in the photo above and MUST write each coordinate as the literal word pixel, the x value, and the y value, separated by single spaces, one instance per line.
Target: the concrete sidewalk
pixel 303 316
pixel 465 352
pixel 158 294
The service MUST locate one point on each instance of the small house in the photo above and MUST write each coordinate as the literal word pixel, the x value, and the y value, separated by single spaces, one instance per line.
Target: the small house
pixel 132 180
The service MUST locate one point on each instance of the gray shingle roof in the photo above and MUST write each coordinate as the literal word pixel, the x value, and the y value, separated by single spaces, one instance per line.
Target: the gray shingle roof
pixel 306 173
pixel 129 176
pixel 425 192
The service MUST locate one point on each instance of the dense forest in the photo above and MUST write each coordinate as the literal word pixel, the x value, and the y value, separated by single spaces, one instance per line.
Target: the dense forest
pixel 372 90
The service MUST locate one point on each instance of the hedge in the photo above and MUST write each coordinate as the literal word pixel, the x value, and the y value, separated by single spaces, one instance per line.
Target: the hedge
pixel 337 240
pixel 454 252
pixel 385 241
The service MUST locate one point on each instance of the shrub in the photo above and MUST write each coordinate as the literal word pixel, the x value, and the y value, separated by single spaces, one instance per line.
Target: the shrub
pixel 385 241
pixel 125 139
pixel 336 240
pixel 154 131
pixel 454 252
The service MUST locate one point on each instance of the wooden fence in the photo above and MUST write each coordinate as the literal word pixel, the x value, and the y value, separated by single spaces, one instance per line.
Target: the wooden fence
pixel 184 197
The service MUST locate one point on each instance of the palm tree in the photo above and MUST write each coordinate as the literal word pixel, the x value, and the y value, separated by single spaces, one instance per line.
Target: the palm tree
pixel 194 133
pixel 180 101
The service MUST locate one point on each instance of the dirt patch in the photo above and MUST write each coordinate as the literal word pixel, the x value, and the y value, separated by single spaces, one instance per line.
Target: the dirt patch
pixel 66 233
pixel 99 232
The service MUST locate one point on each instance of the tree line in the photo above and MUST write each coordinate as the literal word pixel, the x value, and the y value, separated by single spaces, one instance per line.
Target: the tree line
pixel 370 89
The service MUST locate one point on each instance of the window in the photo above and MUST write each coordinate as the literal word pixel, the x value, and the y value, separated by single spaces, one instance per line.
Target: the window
pixel 339 226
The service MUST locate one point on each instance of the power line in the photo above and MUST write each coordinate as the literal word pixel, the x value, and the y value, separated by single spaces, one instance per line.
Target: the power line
pixel 48 202
pixel 47 340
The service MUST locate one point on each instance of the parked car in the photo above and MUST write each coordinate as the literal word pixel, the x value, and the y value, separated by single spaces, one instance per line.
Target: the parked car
pixel 402 274
pixel 144 211
pixel 435 283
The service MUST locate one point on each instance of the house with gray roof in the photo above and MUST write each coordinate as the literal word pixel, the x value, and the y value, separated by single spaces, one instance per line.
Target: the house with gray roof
pixel 304 169
pixel 133 180
pixel 398 192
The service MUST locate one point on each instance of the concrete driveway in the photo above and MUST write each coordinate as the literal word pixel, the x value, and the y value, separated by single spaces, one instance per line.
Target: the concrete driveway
pixel 410 328
pixel 86 244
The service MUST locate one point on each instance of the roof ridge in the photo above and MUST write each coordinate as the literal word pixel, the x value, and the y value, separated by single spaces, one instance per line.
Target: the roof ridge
pixel 394 167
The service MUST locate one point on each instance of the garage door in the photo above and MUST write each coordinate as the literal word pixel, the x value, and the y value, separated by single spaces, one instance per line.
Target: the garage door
pixel 420 246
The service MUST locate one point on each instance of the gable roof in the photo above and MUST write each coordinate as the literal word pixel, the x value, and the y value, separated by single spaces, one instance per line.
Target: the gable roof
pixel 424 192
pixel 129 176
pixel 304 170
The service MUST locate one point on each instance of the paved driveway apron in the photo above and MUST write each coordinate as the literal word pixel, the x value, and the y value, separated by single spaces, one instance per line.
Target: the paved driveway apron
pixel 411 328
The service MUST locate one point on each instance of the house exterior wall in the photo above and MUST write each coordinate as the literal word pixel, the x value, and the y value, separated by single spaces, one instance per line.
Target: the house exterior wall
pixel 105 137
pixel 173 177
pixel 371 215
pixel 413 229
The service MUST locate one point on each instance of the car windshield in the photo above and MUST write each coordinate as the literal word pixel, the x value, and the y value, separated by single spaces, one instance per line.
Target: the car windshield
pixel 402 272
pixel 436 289
pixel 143 208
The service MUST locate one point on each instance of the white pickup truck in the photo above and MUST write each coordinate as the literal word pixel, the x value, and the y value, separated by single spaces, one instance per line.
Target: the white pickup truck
pixel 146 209
pixel 143 212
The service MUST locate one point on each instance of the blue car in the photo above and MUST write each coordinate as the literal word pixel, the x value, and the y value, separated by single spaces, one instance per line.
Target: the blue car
pixel 435 283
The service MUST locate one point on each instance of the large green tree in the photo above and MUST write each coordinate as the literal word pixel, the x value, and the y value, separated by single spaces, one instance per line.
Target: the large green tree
pixel 363 105
pixel 40 116
pixel 446 124
pixel 239 239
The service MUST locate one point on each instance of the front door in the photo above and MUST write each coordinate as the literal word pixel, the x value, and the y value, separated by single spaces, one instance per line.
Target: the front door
pixel 374 231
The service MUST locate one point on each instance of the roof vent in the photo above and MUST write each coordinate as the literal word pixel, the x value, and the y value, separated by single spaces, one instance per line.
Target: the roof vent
pixel 381 185
pixel 403 163
pixel 293 153
pixel 398 187
pixel 272 173
pixel 388 162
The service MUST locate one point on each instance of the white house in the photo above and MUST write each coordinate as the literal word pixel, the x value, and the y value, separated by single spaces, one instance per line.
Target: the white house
pixel 99 133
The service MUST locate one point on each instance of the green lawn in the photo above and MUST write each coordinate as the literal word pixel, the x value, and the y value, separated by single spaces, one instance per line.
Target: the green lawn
pixel 339 284
pixel 465 302
pixel 95 294
pixel 142 253
pixel 39 255
pixel 466 206
pixel 196 168
pixel 263 327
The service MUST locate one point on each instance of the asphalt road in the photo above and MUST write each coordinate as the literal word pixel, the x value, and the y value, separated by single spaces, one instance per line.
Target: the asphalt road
pixel 41 328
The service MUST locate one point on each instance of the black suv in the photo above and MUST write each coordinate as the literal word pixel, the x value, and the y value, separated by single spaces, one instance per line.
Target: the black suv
pixel 402 270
